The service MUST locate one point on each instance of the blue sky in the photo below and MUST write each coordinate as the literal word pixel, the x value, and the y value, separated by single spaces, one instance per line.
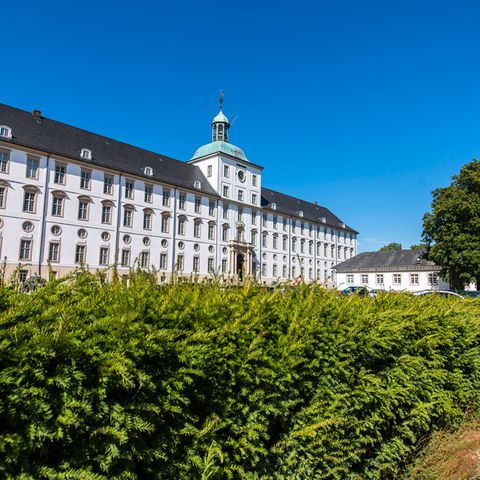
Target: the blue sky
pixel 363 106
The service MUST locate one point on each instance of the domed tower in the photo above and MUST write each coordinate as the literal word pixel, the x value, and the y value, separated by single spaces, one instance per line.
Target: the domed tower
pixel 220 125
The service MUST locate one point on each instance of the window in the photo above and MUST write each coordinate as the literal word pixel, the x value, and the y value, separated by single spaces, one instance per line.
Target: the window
pixel 54 252
pixel 364 279
pixel 3 195
pixel 274 270
pixel 225 191
pixel 225 233
pixel 103 260
pixel 147 220
pixel 4 159
pixel 5 132
pixel 254 181
pixel 273 206
pixel 83 209
pixel 163 261
pixel 254 198
pixel 226 171
pixel 432 279
pixel 325 250
pixel 23 275
pixel 225 211
pixel 275 220
pixel 224 265
pixel 302 228
pixel 85 179
pixel 59 175
pixel 127 217
pixel 32 167
pixel 211 208
pixel 166 197
pixel 284 271
pixel 254 217
pixel 129 189
pixel 106 214
pixel 302 246
pixel 284 224
pixel 125 258
pixel 105 236
pixel 108 184
pixel 181 226
pixel 264 239
pixel 148 171
pixel 180 262
pixel 240 195
pixel 294 244
pixel 57 206
pixel 82 233
pixel 275 240
pixel 284 243
pixel 264 269
pixel 264 220
pixel 182 198
pixel 211 231
pixel 254 237
pixel 85 153
pixel 148 193
pixel 310 248
pixel 144 259
pixel 397 279
pixel 209 171
pixel 165 226
pixel 349 279
pixel 197 228
pixel 196 264
pixel 239 214
pixel 197 184
pixel 80 254
pixel 25 250
pixel 414 279
pixel 198 204
pixel 379 279
pixel 210 265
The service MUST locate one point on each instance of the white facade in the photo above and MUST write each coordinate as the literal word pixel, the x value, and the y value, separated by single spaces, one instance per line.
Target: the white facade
pixel 397 280
pixel 65 212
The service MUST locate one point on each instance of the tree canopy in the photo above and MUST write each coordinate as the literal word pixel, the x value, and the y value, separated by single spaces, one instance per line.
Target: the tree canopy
pixel 452 228
pixel 391 247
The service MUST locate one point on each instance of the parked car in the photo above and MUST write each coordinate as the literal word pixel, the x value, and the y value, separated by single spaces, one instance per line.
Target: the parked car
pixel 440 293
pixel 360 291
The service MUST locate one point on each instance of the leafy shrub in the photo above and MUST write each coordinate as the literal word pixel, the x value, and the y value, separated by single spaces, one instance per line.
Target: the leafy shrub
pixel 188 381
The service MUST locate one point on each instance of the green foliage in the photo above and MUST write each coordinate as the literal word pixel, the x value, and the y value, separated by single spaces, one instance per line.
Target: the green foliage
pixel 106 380
pixel 391 247
pixel 419 246
pixel 452 228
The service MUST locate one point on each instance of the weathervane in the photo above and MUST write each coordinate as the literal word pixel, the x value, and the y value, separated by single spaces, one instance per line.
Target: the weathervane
pixel 220 99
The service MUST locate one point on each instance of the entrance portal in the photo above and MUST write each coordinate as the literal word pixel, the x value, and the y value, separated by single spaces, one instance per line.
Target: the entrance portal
pixel 240 261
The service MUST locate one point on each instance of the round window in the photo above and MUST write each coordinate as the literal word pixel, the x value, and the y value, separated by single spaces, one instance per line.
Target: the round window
pixel 284 258
pixel 146 240
pixel 211 249
pixel 224 250
pixel 27 226
pixel 56 230
pixel 294 260
pixel 264 256
pixel 105 236
pixel 127 238
pixel 241 175
pixel 196 247
pixel 274 256
pixel 164 243
pixel 82 233
pixel 181 245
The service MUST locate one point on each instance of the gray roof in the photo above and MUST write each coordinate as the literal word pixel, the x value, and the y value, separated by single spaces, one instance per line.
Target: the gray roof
pixel 292 206
pixel 58 138
pixel 387 261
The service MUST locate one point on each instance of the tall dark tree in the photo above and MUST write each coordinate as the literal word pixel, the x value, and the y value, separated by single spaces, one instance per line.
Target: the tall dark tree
pixel 391 247
pixel 452 229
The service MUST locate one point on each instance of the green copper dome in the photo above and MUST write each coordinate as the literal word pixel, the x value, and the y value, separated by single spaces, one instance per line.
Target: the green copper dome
pixel 220 147
pixel 220 118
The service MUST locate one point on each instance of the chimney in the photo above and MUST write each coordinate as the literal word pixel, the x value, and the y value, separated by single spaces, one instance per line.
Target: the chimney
pixel 36 113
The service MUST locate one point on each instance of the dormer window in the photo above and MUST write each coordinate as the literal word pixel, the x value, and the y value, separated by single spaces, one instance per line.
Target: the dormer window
pixel 5 132
pixel 300 213
pixel 86 154
pixel 197 184
pixel 324 220
pixel 148 171
pixel 273 206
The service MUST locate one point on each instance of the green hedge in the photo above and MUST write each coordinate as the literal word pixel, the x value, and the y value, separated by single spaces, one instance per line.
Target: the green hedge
pixel 103 381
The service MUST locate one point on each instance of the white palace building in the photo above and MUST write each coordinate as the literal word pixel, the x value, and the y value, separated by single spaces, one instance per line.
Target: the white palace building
pixel 69 197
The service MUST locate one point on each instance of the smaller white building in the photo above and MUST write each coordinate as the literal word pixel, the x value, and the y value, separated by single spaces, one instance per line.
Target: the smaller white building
pixel 400 270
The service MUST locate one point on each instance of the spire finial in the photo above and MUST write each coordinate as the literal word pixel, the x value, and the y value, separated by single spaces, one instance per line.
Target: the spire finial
pixel 220 99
